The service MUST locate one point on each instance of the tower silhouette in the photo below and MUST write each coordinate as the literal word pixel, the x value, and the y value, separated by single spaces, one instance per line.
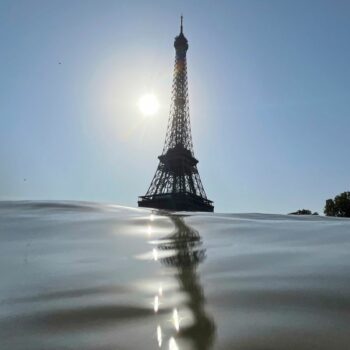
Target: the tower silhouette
pixel 176 184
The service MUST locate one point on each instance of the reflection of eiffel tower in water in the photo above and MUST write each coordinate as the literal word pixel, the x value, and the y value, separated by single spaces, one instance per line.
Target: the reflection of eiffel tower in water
pixel 185 245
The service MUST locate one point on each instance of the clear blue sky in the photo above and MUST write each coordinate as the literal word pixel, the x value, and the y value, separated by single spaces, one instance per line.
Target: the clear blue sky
pixel 269 98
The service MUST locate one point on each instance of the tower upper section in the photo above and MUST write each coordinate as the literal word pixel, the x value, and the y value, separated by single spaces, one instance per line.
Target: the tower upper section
pixel 181 43
pixel 179 127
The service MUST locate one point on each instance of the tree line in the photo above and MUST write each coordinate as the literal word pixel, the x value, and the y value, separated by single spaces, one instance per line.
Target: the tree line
pixel 339 206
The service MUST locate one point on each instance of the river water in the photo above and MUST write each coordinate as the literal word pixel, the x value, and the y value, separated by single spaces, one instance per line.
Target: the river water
pixel 77 275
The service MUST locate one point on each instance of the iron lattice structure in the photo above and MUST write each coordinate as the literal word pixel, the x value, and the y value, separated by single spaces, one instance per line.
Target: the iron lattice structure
pixel 176 184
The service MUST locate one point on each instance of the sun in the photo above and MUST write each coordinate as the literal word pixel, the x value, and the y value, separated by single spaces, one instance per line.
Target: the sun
pixel 148 104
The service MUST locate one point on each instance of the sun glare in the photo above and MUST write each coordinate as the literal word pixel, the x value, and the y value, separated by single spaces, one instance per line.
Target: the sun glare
pixel 148 104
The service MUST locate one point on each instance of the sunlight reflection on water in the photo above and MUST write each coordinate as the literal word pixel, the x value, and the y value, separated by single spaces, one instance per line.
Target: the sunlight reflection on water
pixel 156 303
pixel 155 254
pixel 172 344
pixel 159 336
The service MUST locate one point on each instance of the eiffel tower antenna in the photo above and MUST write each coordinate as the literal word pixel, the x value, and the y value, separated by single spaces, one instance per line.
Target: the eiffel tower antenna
pixel 176 184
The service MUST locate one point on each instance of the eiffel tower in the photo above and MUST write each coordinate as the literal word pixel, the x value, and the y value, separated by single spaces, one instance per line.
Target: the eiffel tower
pixel 176 184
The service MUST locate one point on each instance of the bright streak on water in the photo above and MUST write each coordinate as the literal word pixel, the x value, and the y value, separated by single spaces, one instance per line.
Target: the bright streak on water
pixel 159 336
pixel 155 254
pixel 176 320
pixel 156 303
pixel 172 344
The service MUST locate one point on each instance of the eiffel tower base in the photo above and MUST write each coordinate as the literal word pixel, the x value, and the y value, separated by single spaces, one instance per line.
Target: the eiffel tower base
pixel 177 202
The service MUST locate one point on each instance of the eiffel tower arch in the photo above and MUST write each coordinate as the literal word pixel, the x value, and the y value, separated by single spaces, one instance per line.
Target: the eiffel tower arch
pixel 176 184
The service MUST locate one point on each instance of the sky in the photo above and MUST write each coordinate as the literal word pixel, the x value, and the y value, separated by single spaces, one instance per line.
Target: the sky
pixel 269 89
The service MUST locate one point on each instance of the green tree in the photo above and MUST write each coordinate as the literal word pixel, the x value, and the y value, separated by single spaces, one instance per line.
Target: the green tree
pixel 302 212
pixel 339 206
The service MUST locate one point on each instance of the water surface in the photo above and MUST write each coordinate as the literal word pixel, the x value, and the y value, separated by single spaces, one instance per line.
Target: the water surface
pixel 91 276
